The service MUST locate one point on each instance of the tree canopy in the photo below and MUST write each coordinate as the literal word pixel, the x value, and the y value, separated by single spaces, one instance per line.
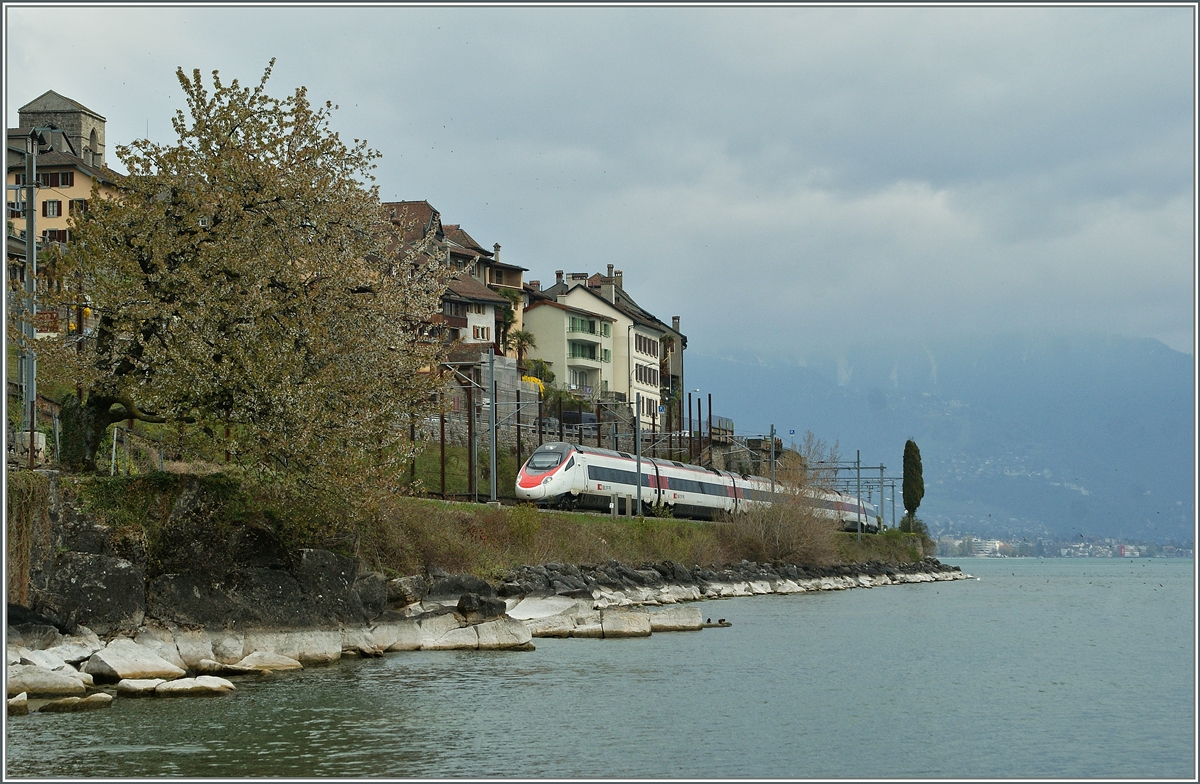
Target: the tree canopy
pixel 913 485
pixel 251 292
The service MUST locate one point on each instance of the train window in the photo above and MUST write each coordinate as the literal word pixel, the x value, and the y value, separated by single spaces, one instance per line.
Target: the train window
pixel 543 461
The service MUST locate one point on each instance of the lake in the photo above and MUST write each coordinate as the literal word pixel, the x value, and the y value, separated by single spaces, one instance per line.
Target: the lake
pixel 1041 668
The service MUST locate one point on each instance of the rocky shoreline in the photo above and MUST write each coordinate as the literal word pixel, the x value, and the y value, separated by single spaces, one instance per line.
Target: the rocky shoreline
pixel 108 621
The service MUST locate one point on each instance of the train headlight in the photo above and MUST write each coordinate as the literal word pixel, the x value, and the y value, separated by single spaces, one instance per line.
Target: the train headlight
pixel 546 481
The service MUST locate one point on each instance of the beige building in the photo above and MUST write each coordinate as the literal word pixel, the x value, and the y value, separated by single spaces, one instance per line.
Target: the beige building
pixel 576 344
pixel 70 160
pixel 643 348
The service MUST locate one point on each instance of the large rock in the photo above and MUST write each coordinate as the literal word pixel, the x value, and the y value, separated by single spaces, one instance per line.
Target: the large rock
pixel 77 647
pixel 542 607
pixel 200 686
pixel 476 608
pixel 105 593
pixel 459 584
pixel 407 590
pixel 38 636
pixel 77 704
pixel 266 660
pixel 195 645
pixel 138 687
pixel 123 658
pixel 503 633
pixel 19 705
pixel 307 646
pixel 360 641
pixel 372 591
pixel 210 667
pixel 624 623
pixel 40 682
pixel 40 659
pixel 400 635
pixel 435 626
pixel 455 639
pixel 676 618
pixel 161 640
pixel 551 626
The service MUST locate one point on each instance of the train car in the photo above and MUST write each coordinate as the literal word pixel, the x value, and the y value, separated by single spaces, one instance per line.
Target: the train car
pixel 574 476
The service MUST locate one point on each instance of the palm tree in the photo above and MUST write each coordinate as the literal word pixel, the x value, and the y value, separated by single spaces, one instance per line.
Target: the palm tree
pixel 521 341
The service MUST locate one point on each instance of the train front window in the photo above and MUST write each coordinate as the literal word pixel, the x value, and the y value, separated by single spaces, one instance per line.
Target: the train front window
pixel 543 461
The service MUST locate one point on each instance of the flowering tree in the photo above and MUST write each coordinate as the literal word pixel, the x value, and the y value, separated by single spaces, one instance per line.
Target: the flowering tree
pixel 251 292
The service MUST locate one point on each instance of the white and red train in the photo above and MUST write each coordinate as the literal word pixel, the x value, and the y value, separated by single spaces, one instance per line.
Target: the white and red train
pixel 576 476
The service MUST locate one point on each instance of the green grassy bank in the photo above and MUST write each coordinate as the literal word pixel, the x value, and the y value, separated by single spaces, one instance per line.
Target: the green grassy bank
pixel 407 535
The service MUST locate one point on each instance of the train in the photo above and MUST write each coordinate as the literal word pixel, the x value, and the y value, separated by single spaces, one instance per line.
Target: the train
pixel 575 476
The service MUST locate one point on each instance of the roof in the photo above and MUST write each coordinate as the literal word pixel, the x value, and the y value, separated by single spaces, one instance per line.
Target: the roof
pixel 463 286
pixel 56 158
pixel 568 308
pixel 455 233
pixel 51 101
pixel 415 219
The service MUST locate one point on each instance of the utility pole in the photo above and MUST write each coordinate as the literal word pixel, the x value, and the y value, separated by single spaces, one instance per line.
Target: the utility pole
pixel 772 460
pixel 28 328
pixel 492 420
pixel 880 509
pixel 638 440
pixel 858 489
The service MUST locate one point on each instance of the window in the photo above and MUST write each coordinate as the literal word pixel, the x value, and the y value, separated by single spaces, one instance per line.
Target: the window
pixel 15 211
pixel 55 179
pixel 605 329
pixel 51 208
pixel 498 276
pixel 645 345
pixel 482 333
pixel 454 309
pixel 646 375
pixel 581 350
pixel 605 355
pixel 55 235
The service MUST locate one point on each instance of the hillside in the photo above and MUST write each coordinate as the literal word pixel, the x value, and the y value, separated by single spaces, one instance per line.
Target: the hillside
pixel 1019 435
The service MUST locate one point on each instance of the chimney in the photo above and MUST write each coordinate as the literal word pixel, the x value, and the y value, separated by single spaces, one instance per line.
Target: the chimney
pixel 617 274
pixel 675 323
pixel 496 252
pixel 558 276
pixel 536 285
pixel 610 270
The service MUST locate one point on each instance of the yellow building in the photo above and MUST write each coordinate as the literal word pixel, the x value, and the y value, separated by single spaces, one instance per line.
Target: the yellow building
pixel 70 159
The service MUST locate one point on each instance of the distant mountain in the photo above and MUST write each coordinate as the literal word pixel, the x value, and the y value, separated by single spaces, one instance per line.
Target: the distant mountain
pixel 1018 435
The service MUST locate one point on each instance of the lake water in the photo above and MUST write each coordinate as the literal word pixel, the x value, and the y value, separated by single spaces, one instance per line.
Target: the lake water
pixel 1042 668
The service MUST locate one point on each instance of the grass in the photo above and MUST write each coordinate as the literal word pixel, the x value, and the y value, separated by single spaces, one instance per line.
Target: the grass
pixel 405 535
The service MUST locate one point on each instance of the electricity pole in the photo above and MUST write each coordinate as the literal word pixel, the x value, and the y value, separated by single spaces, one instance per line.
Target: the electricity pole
pixel 638 451
pixel 492 418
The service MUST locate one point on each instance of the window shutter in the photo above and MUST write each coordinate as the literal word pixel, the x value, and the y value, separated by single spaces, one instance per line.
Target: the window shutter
pixel 45 208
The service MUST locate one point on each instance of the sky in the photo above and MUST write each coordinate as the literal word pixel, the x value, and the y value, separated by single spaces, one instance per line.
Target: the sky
pixel 790 181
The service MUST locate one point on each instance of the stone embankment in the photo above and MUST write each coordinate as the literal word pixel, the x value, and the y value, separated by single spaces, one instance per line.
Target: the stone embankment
pixel 104 623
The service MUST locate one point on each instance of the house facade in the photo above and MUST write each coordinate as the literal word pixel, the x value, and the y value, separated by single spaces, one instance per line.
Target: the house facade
pixel 576 344
pixel 646 353
pixel 70 159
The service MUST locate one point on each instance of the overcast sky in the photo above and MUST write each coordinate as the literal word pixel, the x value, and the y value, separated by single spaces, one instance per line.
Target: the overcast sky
pixel 789 181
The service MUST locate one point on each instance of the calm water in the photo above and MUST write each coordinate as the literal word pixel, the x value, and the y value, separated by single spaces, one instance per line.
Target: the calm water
pixel 1054 668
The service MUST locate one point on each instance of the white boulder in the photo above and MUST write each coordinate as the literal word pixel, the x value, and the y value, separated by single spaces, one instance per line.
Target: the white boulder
pixel 454 639
pixel 77 704
pixel 624 623
pixel 138 687
pixel 162 641
pixel 501 633
pixel 550 626
pixel 39 681
pixel 398 635
pixel 123 658
pixel 266 660
pixel 308 646
pixel 77 647
pixel 19 705
pixel 194 687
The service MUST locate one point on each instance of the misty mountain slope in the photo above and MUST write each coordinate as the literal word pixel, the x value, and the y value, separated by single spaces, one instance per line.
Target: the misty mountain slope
pixel 1031 436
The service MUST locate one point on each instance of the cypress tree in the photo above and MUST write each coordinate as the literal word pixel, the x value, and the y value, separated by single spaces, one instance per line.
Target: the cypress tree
pixel 914 484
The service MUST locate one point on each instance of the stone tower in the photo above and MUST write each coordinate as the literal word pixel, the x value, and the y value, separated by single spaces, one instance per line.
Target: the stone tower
pixel 82 127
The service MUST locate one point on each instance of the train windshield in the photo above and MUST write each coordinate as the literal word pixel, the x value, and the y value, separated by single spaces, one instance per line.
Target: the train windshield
pixel 543 460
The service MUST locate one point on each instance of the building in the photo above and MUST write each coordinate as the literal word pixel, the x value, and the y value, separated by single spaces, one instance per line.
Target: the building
pixel 70 160
pixel 474 308
pixel 576 344
pixel 647 355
